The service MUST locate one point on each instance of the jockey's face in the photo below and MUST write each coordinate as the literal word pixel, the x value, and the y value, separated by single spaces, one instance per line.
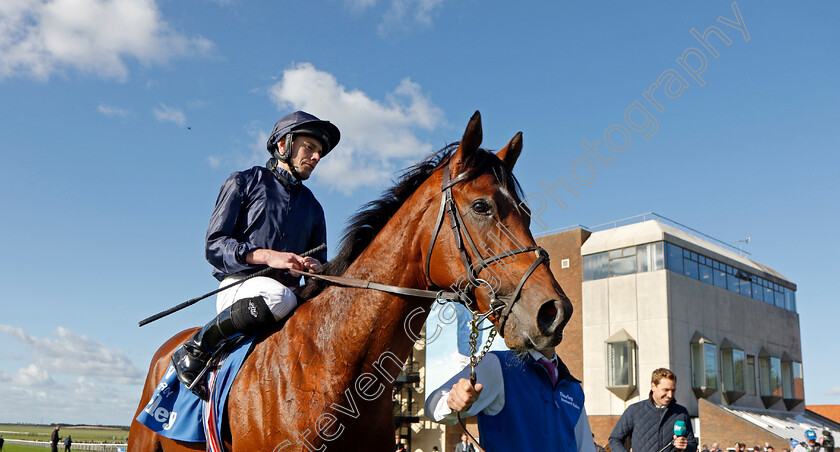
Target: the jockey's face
pixel 306 153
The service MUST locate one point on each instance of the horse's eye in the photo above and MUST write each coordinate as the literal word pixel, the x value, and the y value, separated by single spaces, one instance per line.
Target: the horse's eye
pixel 481 207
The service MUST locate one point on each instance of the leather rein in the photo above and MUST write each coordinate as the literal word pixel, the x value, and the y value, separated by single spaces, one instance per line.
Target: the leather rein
pixel 449 208
pixel 465 296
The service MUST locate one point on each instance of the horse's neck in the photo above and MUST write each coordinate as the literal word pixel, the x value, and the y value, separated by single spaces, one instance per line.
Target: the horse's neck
pixel 354 328
pixel 393 258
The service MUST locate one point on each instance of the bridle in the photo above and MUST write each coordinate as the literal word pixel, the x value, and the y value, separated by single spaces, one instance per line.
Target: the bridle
pixel 459 229
pixel 466 295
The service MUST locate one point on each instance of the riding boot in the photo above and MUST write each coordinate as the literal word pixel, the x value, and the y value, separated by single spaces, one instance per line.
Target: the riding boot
pixel 245 316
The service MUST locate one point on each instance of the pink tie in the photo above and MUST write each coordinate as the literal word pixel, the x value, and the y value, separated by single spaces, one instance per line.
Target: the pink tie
pixel 551 369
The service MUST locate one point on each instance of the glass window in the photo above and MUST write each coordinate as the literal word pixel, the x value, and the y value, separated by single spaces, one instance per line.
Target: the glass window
pixel 780 299
pixel 643 258
pixel 769 296
pixel 623 261
pixel 623 266
pixel 764 376
pixel 690 268
pixel 704 365
pixel 595 266
pixel 733 282
pixel 787 380
pixel 620 364
pixel 675 259
pixel 711 365
pixel 658 259
pixel 750 377
pixel 790 300
pixel 792 383
pixel 746 288
pixel 776 375
pixel 739 370
pixel 706 274
pixel 733 370
pixel 720 278
pixel 757 291
pixel 798 381
pixel 770 376
pixel 697 367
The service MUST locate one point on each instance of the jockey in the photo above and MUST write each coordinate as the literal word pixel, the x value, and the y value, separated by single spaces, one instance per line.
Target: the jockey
pixel 264 216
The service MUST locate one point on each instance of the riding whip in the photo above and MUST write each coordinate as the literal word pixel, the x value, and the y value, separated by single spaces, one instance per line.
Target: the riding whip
pixel 195 300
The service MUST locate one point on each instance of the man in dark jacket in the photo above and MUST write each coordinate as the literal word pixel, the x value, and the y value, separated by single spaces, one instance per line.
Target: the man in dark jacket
pixel 650 423
pixel 264 216
pixel 54 439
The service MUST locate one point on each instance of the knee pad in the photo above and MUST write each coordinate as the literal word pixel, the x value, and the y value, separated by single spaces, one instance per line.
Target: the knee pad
pixel 250 314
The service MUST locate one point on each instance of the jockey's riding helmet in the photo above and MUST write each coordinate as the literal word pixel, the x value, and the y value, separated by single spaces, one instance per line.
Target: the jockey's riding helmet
pixel 302 123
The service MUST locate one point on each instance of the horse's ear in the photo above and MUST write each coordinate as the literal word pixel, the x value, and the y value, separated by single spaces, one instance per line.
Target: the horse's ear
pixel 469 144
pixel 511 152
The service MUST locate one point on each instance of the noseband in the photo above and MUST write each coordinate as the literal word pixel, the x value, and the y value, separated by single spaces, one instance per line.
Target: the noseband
pixel 459 229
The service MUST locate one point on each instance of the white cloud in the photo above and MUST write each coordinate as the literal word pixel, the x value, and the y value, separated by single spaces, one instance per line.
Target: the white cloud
pixel 78 401
pixel 71 354
pixel 170 114
pixel 32 376
pixel 400 15
pixel 359 5
pixel 403 13
pixel 70 378
pixel 108 110
pixel 835 391
pixel 377 137
pixel 214 161
pixel 41 37
pixel 197 104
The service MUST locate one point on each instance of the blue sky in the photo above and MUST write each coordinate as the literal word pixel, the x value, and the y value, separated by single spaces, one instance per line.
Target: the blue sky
pixel 119 119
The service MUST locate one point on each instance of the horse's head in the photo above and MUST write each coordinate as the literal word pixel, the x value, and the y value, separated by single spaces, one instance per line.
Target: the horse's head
pixel 492 256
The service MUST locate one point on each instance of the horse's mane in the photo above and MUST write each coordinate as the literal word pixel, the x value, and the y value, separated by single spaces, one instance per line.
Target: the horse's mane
pixel 371 218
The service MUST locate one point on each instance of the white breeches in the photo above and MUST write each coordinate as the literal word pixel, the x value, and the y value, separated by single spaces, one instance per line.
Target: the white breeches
pixel 279 298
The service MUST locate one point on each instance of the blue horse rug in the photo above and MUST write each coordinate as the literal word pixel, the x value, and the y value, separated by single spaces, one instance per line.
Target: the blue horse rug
pixel 175 412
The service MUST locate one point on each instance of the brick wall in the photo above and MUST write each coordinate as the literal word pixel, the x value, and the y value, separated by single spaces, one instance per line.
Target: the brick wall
pixel 454 432
pixel 601 427
pixel 566 245
pixel 721 426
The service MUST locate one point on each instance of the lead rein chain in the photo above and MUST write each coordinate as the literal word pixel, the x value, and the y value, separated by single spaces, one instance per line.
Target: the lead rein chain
pixel 476 318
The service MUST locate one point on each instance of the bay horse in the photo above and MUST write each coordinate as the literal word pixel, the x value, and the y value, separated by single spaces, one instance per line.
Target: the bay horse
pixel 324 380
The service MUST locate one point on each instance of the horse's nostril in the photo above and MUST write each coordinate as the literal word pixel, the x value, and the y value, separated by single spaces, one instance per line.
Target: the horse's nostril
pixel 547 317
pixel 551 311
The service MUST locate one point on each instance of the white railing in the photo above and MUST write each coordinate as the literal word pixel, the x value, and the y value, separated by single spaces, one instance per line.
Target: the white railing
pixel 75 446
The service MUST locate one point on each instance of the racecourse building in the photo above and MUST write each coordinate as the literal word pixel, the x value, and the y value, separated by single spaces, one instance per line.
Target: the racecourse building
pixel 649 292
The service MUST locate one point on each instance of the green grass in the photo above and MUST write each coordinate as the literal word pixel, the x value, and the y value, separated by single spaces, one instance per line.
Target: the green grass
pixel 18 448
pixel 78 433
